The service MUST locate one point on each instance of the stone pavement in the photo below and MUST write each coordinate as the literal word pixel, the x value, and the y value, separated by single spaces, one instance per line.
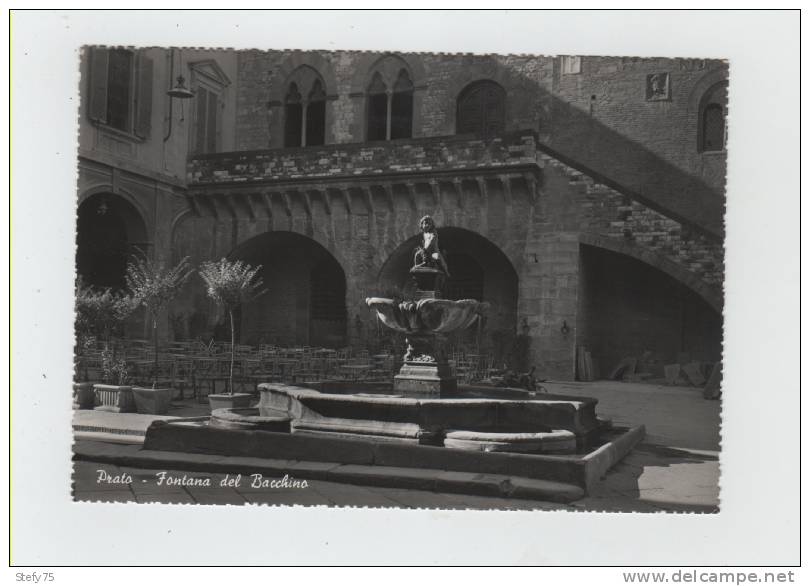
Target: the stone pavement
pixel 675 469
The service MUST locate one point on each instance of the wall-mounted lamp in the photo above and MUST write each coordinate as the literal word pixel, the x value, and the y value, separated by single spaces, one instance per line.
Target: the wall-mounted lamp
pixel 179 91
pixel 565 329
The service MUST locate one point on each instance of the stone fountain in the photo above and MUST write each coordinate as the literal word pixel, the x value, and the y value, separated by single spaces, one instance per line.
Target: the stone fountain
pixel 426 320
pixel 424 419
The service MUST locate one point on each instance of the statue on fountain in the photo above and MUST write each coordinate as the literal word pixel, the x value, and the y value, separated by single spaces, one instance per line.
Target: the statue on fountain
pixel 426 320
pixel 428 254
pixel 429 267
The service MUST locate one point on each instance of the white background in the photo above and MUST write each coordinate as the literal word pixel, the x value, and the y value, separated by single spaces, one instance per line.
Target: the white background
pixel 759 522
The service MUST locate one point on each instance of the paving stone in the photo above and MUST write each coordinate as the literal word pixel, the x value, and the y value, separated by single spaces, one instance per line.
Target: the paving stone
pixel 419 499
pixel 676 466
pixel 354 496
pixel 386 476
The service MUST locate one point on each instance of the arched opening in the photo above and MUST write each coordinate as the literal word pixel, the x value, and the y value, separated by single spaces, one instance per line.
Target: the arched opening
pixel 377 109
pixel 316 115
pixel 481 109
pixel 109 231
pixel 628 308
pixel 478 270
pixel 712 118
pixel 293 117
pixel 389 101
pixel 304 108
pixel 305 303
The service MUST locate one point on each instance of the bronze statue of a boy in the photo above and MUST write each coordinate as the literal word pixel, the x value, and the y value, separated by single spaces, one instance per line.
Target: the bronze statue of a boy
pixel 428 254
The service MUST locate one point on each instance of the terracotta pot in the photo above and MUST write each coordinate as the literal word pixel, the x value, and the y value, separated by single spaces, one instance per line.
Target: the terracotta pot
pixel 152 401
pixel 114 398
pixel 84 397
pixel 226 401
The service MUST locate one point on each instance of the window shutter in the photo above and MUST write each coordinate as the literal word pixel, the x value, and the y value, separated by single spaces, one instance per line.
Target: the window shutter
pixel 220 106
pixel 143 96
pixel 99 63
pixel 200 114
pixel 211 124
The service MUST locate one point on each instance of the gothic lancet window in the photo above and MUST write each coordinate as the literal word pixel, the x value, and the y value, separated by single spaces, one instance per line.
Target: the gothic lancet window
pixel 377 108
pixel 316 115
pixel 305 109
pixel 293 117
pixel 390 107
pixel 402 107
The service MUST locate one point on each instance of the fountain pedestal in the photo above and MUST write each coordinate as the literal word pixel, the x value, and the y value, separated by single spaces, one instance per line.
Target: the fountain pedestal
pixel 426 370
pixel 425 321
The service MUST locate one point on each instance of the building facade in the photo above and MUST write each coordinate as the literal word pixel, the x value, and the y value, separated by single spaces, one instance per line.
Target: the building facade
pixel 582 197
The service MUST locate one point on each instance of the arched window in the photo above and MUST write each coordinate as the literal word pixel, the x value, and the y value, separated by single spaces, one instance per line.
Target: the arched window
pixel 293 117
pixel 712 119
pixel 316 115
pixel 390 102
pixel 402 107
pixel 377 109
pixel 305 109
pixel 481 109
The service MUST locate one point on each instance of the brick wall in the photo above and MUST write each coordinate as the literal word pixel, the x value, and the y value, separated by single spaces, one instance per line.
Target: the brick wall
pixel 600 117
pixel 607 212
pixel 448 153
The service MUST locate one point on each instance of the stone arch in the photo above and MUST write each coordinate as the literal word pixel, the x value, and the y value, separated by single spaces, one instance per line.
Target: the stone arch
pixel 107 188
pixel 306 300
pixel 716 98
pixel 368 62
pixel 481 109
pixel 296 60
pixel 499 279
pixel 709 294
pixel 510 244
pixel 711 78
pixel 109 230
pixel 491 71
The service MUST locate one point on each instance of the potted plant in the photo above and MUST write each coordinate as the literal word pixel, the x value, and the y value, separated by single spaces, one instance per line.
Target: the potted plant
pixel 98 314
pixel 114 394
pixel 154 286
pixel 230 284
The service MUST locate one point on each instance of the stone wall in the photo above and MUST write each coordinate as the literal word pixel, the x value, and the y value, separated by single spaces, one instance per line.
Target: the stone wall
pixel 627 308
pixel 601 117
pixel 539 230
pixel 447 153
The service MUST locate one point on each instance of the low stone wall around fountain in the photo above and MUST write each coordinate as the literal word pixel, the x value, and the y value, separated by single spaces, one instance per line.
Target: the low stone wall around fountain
pixel 427 421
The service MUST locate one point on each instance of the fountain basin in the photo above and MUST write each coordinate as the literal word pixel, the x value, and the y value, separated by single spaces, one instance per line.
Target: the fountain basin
pixel 377 412
pixel 427 316
pixel 250 418
pixel 556 441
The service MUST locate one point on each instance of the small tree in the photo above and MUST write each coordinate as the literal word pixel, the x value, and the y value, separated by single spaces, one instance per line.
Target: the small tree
pixel 154 286
pixel 230 284
pixel 99 313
